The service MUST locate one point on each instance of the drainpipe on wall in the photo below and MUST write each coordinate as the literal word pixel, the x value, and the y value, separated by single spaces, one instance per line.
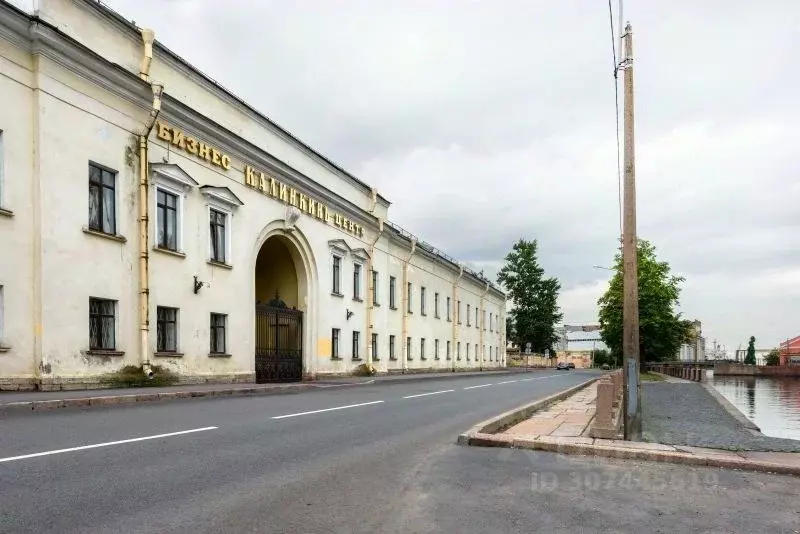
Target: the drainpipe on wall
pixel 144 207
pixel 371 295
pixel 404 289
pixel 455 315
pixel 482 327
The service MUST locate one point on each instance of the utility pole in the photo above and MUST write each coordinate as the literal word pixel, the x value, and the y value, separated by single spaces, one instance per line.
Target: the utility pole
pixel 630 310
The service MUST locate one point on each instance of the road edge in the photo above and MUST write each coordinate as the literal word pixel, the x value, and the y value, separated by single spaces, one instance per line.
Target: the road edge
pixel 733 410
pixel 146 396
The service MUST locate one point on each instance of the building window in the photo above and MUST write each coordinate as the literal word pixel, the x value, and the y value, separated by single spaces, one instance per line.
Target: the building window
pixel 468 314
pixel 2 317
pixel 448 310
pixel 219 323
pixel 166 329
pixel 458 351
pixel 392 355
pixel 436 305
pixel 448 349
pixel 375 288
pixel 435 349
pixel 393 292
pixel 408 348
pixel 102 324
pixel 467 351
pixel 356 344
pixel 477 354
pixel 102 200
pixel 335 335
pixel 375 347
pixel 458 312
pixel 476 318
pixel 484 319
pixel 490 353
pixel 491 322
pixel 422 348
pixel 166 219
pixel 422 301
pixel 337 275
pixel 219 238
pixel 408 296
pixel 2 175
pixel 356 281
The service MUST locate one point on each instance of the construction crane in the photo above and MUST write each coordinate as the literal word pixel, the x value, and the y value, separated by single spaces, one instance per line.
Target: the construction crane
pixel 562 331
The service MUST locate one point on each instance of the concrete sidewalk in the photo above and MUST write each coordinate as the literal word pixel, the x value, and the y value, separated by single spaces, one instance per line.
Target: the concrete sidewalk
pixel 20 401
pixel 561 425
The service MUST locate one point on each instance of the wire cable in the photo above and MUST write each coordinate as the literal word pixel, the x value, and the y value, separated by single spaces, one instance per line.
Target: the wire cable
pixel 616 107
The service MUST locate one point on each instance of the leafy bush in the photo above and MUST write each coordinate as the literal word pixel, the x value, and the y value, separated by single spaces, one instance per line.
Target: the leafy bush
pixel 132 376
pixel 364 370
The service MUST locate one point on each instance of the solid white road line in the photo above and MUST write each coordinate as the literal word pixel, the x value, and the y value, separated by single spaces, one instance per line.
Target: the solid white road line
pixel 506 382
pixel 431 393
pixel 108 444
pixel 539 378
pixel 327 410
pixel 481 386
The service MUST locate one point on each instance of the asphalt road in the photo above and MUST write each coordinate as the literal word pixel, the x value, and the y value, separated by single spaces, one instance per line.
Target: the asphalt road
pixel 384 460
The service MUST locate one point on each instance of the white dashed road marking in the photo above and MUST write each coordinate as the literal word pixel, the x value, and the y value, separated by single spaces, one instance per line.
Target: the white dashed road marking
pixel 431 393
pixel 326 410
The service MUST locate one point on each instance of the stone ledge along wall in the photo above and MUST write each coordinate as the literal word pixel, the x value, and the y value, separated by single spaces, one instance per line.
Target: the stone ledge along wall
pixel 738 369
pixel 608 407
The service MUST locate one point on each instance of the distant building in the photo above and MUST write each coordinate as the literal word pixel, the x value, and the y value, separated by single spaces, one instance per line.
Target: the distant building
pixel 695 351
pixel 789 351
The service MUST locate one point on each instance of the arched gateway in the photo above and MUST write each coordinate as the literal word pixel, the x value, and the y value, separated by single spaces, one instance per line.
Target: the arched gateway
pixel 282 277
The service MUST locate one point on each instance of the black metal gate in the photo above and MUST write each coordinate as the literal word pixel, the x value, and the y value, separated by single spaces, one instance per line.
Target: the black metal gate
pixel 279 344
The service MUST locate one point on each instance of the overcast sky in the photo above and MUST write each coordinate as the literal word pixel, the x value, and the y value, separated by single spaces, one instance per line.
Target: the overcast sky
pixel 485 121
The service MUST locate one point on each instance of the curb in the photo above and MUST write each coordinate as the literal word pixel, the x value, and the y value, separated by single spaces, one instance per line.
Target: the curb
pixel 502 421
pixel 116 400
pixel 270 389
pixel 578 446
pixel 731 409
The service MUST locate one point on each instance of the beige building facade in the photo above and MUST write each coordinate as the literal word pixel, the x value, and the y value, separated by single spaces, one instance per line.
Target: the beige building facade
pixel 149 217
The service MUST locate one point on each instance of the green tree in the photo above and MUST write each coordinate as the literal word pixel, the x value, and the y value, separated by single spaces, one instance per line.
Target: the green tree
pixel 535 311
pixel 661 329
pixel 602 356
pixel 750 359
pixel 773 358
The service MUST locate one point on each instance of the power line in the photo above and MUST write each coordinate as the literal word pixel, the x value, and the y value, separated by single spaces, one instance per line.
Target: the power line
pixel 616 107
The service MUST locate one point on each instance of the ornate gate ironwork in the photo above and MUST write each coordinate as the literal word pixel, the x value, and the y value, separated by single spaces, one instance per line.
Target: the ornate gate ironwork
pixel 279 343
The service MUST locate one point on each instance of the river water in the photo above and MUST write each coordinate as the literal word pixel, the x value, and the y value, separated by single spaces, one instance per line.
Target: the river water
pixel 771 403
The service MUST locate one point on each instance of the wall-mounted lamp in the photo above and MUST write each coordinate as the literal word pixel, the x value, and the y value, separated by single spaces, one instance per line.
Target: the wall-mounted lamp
pixel 349 314
pixel 198 284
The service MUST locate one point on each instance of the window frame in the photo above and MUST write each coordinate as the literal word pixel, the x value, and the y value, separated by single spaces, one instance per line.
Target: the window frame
pixel 436 349
pixel 163 322
pixel 469 315
pixel 449 347
pixel 213 333
pixel 358 269
pixel 356 346
pixel 458 312
pixel 409 355
pixel 374 347
pixel 422 349
pixel 449 306
pixel 409 295
pixel 392 345
pixel 458 351
pixel 101 327
pixel 226 233
pixel 160 188
pixel 336 338
pixel 436 305
pixel 375 277
pixel 336 275
pixel 392 292
pixel 422 296
pixel 101 208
